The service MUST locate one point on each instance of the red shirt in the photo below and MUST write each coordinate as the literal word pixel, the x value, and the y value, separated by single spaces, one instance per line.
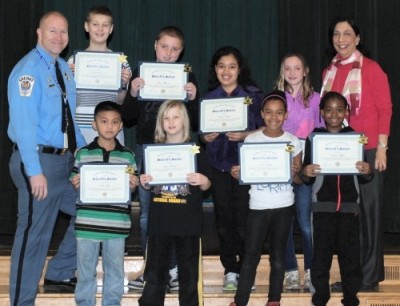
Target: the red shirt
pixel 376 105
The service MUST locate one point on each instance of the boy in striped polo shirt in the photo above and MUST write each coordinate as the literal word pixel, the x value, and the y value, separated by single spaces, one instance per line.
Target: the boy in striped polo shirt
pixel 108 225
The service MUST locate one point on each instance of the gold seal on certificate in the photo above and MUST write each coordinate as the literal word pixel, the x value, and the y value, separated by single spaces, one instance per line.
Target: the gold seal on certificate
pixel 169 164
pixel 337 153
pixel 265 163
pixel 223 115
pixel 102 183
pixel 163 81
pixel 98 70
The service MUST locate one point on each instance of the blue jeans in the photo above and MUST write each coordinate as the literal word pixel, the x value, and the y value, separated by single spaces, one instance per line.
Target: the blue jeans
pixel 144 199
pixel 303 210
pixel 113 268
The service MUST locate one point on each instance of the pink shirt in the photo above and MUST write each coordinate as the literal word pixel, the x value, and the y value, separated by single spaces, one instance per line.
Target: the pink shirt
pixel 302 120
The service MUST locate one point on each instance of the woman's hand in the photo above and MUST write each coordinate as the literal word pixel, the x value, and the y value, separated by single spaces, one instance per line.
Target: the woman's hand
pixel 381 159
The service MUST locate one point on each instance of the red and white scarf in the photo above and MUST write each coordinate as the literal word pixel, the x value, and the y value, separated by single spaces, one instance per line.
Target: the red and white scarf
pixel 352 87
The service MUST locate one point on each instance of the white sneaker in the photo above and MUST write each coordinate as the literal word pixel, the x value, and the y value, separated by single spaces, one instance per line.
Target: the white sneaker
pixel 230 281
pixel 307 282
pixel 292 280
pixel 173 283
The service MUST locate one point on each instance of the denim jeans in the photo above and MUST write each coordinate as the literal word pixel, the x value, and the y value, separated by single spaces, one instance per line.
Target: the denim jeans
pixel 273 224
pixel 303 210
pixel 144 199
pixel 113 271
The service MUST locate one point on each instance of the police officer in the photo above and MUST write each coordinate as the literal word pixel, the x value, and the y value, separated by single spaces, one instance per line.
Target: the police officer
pixel 40 127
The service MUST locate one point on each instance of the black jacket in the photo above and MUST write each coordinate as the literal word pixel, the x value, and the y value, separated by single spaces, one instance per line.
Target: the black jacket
pixel 326 188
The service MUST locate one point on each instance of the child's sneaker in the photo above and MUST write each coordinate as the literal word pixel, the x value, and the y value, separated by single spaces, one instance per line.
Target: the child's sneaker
pixel 173 283
pixel 136 284
pixel 307 280
pixel 308 286
pixel 292 280
pixel 230 281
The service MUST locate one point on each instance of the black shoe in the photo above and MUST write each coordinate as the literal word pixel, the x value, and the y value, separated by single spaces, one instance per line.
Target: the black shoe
pixel 67 285
pixel 336 287
pixel 369 287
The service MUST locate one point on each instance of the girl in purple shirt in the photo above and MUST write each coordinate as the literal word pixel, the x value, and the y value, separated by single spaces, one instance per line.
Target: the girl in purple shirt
pixel 303 108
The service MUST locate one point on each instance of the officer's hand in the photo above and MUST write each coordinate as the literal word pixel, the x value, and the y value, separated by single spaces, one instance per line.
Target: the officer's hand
pixel 38 186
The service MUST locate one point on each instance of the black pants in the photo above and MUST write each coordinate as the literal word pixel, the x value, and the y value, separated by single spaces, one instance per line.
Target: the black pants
pixel 274 224
pixel 371 232
pixel 231 204
pixel 159 248
pixel 338 231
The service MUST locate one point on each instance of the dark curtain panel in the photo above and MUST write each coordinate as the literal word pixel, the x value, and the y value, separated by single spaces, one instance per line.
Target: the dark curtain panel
pixel 18 23
pixel 264 30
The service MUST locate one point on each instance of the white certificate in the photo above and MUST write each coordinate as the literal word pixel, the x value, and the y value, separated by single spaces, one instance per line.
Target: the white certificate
pixel 337 153
pixel 163 81
pixel 223 115
pixel 170 164
pixel 265 162
pixel 98 70
pixel 102 183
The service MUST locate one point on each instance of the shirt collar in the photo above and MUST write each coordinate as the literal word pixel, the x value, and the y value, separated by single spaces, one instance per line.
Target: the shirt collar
pixel 46 56
pixel 94 145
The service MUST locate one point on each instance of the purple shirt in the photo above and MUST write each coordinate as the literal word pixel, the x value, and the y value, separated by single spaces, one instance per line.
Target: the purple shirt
pixel 222 153
pixel 302 120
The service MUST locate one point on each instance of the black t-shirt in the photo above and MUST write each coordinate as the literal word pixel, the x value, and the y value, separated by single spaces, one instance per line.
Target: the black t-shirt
pixel 144 113
pixel 177 210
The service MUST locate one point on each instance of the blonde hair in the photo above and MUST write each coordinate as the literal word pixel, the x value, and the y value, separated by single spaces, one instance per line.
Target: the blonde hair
pixel 306 88
pixel 159 134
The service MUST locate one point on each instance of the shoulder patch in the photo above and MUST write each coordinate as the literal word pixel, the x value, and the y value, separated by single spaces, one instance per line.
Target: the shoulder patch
pixel 26 83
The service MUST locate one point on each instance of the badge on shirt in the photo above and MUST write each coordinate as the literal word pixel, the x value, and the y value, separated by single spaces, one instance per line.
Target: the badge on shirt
pixel 26 83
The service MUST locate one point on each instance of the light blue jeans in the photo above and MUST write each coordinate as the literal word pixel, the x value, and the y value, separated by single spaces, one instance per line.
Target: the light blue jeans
pixel 303 212
pixel 144 199
pixel 113 271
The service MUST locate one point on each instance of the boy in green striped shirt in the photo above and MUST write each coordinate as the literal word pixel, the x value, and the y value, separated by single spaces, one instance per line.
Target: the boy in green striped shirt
pixel 103 224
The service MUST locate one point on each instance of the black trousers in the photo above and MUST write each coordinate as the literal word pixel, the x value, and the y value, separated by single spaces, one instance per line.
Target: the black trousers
pixel 371 232
pixel 231 205
pixel 273 224
pixel 159 248
pixel 336 231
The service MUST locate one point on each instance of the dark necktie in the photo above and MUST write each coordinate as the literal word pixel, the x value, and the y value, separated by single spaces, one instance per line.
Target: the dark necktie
pixel 67 124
